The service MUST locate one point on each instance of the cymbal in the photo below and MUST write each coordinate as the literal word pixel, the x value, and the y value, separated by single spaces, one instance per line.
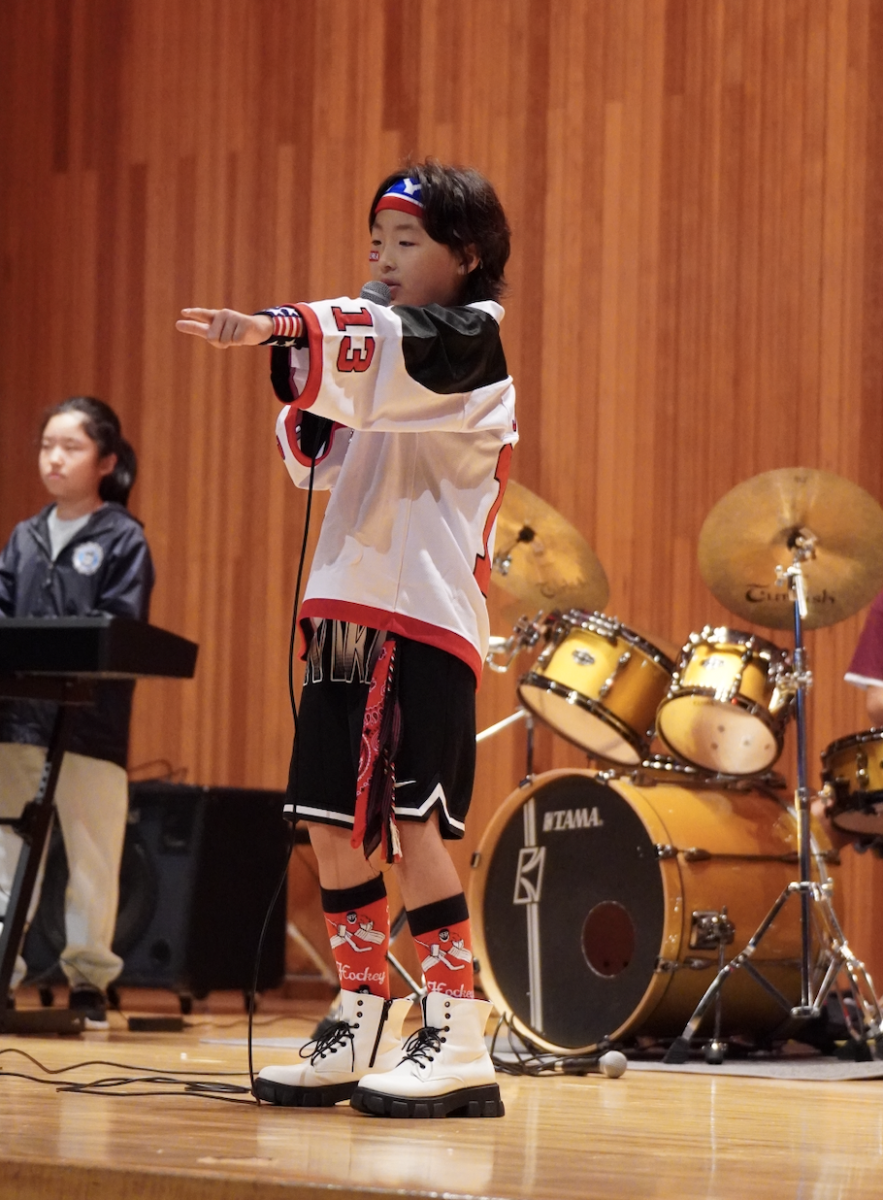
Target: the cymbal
pixel 541 559
pixel 752 529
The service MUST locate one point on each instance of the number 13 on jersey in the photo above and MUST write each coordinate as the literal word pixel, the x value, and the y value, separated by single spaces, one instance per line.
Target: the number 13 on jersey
pixel 351 357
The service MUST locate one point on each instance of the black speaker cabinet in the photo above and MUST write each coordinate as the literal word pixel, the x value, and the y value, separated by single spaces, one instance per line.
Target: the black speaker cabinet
pixel 198 872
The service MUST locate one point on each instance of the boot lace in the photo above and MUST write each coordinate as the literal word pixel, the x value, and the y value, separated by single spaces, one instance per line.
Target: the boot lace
pixel 336 1035
pixel 423 1044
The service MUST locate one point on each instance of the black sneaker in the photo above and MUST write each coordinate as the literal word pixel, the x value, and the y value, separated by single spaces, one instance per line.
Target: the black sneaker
pixel 91 1003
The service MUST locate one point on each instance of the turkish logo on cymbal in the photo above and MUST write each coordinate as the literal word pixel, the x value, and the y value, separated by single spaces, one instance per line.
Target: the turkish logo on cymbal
pixel 761 593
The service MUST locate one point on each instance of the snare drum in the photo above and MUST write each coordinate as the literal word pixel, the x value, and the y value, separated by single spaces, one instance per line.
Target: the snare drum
pixel 725 710
pixel 598 684
pixel 596 905
pixel 852 767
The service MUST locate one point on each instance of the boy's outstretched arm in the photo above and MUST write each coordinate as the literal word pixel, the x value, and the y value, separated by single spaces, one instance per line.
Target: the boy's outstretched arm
pixel 223 327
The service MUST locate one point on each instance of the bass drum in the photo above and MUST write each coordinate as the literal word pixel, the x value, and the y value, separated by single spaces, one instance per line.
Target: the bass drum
pixel 594 904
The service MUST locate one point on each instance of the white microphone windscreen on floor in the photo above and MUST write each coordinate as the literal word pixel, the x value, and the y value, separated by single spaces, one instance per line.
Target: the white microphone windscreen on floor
pixel 613 1064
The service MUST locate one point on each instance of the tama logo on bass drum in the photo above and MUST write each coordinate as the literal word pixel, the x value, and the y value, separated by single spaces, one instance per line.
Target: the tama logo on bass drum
pixel 572 818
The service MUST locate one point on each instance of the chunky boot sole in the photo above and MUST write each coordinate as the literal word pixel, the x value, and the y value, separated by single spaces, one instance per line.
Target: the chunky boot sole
pixel 289 1096
pixel 467 1102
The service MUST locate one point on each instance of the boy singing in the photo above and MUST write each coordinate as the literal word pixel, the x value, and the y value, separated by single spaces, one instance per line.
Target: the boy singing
pixel 405 411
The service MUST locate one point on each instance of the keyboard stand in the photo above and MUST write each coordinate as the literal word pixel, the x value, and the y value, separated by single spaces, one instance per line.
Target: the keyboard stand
pixel 34 826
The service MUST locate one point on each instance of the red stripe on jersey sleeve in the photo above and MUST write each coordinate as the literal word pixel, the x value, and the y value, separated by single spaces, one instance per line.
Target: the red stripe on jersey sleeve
pixel 307 398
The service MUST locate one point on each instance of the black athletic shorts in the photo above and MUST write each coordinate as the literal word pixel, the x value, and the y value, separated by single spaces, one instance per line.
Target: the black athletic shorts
pixel 435 762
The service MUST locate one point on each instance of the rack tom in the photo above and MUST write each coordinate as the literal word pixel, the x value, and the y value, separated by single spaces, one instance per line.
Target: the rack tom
pixel 598 684
pixel 726 709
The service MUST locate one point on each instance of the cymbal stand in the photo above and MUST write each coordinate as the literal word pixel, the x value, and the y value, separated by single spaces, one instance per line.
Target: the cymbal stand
pixel 816 911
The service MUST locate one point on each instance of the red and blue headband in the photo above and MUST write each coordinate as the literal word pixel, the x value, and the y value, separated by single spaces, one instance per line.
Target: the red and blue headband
pixel 404 195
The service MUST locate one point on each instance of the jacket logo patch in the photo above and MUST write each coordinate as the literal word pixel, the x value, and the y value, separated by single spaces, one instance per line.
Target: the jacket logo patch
pixel 87 558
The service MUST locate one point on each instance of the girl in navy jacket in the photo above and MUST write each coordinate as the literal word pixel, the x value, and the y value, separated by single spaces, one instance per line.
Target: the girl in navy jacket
pixel 83 554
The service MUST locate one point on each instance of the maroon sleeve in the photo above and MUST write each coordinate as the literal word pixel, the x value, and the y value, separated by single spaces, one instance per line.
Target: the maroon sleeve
pixel 867 661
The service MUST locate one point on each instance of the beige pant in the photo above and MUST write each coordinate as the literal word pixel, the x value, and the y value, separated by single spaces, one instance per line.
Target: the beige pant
pixel 91 799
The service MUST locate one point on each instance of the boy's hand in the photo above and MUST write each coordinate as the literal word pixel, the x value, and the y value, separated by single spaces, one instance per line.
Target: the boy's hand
pixel 224 328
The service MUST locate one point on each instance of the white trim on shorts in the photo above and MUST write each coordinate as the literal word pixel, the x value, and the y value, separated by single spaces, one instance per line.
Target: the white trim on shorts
pixel 338 818
pixel 419 812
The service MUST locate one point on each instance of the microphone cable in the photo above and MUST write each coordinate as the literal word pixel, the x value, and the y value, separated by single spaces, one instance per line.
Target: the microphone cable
pixel 284 875
pixel 380 294
pixel 297 587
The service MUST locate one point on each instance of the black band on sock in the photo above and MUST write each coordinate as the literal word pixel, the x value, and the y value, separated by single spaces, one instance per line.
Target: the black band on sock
pixel 336 900
pixel 437 915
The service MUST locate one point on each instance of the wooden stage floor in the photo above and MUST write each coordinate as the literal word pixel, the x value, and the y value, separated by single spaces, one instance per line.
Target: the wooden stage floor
pixel 647 1134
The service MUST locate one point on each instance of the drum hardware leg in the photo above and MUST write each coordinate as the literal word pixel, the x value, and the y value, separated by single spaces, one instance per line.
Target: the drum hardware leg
pixel 528 751
pixel 412 983
pixel 716 1050
pixel 519 715
pixel 679 1050
pixel 397 925
pixel 844 960
pixel 769 988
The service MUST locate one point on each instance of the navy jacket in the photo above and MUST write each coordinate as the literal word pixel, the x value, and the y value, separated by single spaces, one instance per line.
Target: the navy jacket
pixel 105 568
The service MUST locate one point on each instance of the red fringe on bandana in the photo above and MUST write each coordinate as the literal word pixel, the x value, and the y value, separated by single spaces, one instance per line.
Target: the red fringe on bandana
pixel 375 822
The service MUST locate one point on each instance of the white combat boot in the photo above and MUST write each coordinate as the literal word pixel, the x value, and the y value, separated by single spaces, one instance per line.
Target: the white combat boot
pixel 445 1068
pixel 367 1036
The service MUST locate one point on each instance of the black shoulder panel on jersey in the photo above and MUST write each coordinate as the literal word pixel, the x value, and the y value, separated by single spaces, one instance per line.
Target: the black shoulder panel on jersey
pixel 280 371
pixel 450 350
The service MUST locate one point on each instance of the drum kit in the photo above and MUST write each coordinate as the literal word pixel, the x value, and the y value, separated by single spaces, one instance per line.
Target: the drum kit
pixel 656 896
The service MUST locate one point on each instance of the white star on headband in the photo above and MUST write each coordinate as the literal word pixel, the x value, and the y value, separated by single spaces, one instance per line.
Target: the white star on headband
pixel 411 186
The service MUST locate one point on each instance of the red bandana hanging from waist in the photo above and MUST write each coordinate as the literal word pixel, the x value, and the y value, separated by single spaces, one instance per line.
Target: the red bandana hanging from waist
pixel 375 821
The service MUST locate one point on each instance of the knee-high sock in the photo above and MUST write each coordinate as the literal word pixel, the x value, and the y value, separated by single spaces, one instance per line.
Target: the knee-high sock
pixel 358 926
pixel 443 937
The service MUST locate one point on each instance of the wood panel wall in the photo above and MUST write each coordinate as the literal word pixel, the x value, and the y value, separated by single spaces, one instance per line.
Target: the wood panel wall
pixel 695 189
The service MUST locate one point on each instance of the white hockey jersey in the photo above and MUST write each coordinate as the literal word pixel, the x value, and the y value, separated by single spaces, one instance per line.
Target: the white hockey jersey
pixel 410 413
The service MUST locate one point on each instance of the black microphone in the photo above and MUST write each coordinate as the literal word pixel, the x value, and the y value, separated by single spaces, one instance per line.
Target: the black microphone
pixel 376 291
